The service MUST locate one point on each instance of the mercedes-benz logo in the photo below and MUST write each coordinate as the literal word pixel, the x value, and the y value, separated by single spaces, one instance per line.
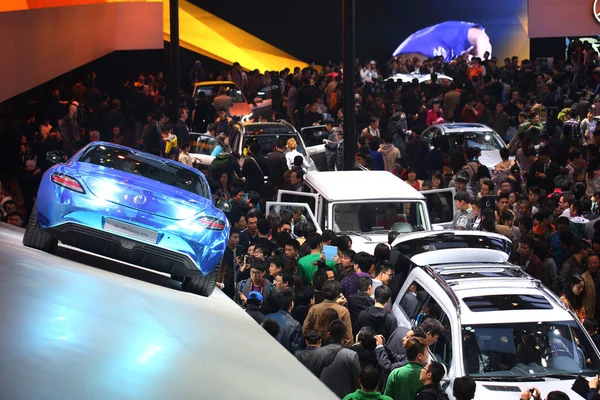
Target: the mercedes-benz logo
pixel 597 10
pixel 140 199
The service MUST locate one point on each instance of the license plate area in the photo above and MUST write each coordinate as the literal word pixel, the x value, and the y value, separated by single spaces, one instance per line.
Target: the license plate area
pixel 131 231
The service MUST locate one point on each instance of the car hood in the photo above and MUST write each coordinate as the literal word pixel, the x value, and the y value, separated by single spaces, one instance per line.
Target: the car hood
pixel 140 193
pixel 497 390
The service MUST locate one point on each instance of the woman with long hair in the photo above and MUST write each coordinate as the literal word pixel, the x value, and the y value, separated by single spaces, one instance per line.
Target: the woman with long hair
pixel 292 153
pixel 573 295
pixel 437 180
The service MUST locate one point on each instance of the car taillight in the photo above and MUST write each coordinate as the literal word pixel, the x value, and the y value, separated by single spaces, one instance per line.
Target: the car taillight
pixel 67 182
pixel 214 224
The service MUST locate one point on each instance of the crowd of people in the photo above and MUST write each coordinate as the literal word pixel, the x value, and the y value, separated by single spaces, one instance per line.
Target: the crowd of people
pixel 333 314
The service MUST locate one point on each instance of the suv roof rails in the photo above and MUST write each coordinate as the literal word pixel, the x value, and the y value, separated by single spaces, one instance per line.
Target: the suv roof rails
pixel 443 284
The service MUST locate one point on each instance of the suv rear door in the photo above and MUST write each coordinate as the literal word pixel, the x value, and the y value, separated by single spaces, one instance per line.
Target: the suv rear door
pixel 316 147
pixel 202 146
pixel 277 206
pixel 313 200
pixel 441 206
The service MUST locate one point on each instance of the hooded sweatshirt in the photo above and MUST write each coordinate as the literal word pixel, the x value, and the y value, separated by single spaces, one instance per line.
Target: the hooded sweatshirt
pixel 390 154
pixel 383 322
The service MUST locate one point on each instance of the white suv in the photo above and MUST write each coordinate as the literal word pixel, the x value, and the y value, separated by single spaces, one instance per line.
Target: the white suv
pixel 502 327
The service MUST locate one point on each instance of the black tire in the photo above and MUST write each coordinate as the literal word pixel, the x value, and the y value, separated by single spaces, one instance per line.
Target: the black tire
pixel 36 237
pixel 202 285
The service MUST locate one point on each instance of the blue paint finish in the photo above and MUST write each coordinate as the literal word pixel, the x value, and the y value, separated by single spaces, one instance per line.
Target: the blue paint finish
pixel 171 211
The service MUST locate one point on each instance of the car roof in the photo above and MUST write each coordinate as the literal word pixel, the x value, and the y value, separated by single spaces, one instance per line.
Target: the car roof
pixel 459 127
pixel 265 125
pixel 361 185
pixel 484 272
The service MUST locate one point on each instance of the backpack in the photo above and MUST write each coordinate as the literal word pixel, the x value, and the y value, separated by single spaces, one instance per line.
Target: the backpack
pixel 219 164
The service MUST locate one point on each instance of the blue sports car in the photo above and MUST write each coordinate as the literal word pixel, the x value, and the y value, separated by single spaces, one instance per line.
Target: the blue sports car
pixel 134 207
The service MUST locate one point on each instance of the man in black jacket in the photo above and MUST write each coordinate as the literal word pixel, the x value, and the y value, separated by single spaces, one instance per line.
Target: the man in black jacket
pixel 377 317
pixel 361 300
pixel 543 171
pixel 277 164
pixel 431 376
pixel 181 129
pixel 312 340
pixel 255 169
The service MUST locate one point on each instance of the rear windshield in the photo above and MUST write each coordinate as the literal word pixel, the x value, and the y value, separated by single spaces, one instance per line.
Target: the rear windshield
pixel 507 303
pixel 451 241
pixel 159 170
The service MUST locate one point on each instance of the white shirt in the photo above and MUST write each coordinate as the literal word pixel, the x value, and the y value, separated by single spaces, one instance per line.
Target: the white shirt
pixel 290 155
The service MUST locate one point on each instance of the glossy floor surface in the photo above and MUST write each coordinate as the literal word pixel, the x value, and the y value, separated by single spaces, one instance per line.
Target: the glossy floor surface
pixel 78 326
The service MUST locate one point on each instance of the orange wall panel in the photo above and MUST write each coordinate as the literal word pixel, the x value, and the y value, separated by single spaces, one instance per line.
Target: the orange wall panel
pixel 14 5
pixel 41 44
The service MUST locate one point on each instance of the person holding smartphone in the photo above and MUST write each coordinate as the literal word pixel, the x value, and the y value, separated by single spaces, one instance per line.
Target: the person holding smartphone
pixel 535 394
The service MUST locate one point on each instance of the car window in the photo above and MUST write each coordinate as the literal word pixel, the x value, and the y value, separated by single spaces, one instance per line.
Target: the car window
pixel 450 240
pixel 442 349
pixel 268 141
pixel 530 349
pixel 431 133
pixel 203 144
pixel 440 206
pixel 485 140
pixel 161 170
pixel 212 91
pixel 418 305
pixel 398 216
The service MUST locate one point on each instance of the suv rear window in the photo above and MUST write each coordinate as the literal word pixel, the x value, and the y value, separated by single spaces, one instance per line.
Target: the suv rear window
pixel 507 303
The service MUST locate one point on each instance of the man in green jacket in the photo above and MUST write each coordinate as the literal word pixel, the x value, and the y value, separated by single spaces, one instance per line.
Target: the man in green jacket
pixel 403 383
pixel 369 382
pixel 307 265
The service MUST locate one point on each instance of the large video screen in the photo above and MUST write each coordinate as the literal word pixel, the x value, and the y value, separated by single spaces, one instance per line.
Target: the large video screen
pixel 451 29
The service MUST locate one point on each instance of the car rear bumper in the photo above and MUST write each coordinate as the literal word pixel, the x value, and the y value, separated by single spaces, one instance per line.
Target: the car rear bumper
pixel 125 249
pixel 180 247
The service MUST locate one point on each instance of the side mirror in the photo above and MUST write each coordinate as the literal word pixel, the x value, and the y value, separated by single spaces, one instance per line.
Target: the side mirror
pixel 55 156
pixel 223 205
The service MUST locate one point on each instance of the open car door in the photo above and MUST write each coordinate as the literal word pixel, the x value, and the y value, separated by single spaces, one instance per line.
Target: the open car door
pixel 313 200
pixel 315 148
pixel 441 207
pixel 202 146
pixel 277 206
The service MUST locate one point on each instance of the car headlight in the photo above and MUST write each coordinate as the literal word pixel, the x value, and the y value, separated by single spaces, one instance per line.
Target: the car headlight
pixel 68 182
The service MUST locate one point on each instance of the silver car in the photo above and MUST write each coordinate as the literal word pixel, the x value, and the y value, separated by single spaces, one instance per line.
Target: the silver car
pixel 475 135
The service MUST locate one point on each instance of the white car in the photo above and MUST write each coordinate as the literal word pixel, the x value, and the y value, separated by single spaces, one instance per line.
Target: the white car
pixel 475 135
pixel 265 133
pixel 408 78
pixel 502 327
pixel 365 205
